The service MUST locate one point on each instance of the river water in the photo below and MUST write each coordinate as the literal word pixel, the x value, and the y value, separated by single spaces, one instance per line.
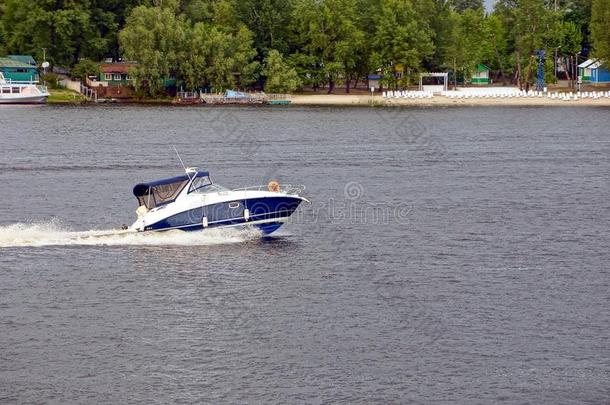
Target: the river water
pixel 450 255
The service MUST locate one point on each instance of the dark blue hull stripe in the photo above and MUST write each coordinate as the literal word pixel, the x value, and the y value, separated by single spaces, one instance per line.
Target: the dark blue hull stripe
pixel 222 214
pixel 227 222
pixel 266 227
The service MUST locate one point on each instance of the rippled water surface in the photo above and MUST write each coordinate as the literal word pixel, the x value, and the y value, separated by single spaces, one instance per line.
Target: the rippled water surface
pixel 456 255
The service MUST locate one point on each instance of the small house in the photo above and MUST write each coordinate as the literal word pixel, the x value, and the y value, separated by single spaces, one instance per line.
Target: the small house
pixel 17 71
pixel 481 74
pixel 115 74
pixel 584 70
pixel 374 81
pixel 594 71
pixel 113 80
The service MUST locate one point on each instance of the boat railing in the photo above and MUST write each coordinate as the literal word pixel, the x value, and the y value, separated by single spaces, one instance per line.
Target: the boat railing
pixel 188 95
pixel 88 92
pixel 18 82
pixel 290 189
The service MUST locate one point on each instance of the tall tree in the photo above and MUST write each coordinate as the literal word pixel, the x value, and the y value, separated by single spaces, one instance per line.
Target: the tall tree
pixel 465 48
pixel 495 46
pixel 441 30
pixel 403 38
pixel 153 36
pixel 328 34
pixel 230 58
pixel 2 35
pixel 280 77
pixel 269 22
pixel 532 25
pixel 69 30
pixel 463 5
pixel 197 10
pixel 600 28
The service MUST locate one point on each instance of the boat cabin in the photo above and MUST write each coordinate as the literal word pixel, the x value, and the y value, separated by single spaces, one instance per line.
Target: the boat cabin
pixel 161 192
pixel 18 71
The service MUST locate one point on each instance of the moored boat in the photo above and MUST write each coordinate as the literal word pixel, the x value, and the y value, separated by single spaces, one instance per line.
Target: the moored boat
pixel 13 92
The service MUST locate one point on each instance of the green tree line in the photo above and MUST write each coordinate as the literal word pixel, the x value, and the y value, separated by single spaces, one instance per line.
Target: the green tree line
pixel 287 44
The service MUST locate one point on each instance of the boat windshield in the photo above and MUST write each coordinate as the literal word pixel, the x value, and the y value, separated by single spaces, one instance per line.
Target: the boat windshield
pixel 204 185
pixel 200 183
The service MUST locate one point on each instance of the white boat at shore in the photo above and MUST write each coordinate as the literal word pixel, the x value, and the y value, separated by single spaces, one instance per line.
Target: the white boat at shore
pixel 12 92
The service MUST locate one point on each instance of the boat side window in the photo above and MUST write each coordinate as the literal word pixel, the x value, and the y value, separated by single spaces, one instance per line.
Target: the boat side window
pixel 199 184
pixel 147 200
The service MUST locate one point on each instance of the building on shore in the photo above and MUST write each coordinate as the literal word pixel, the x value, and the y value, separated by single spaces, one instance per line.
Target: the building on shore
pixel 113 80
pixel 19 68
pixel 115 74
pixel 481 74
pixel 374 81
pixel 594 71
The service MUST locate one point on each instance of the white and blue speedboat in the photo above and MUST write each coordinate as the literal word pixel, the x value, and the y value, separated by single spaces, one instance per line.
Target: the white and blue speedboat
pixel 192 202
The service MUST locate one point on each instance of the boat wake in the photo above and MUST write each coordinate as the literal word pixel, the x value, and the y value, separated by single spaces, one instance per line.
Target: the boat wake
pixel 54 234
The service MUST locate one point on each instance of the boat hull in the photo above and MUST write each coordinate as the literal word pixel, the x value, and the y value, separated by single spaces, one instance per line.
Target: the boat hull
pixel 267 214
pixel 24 100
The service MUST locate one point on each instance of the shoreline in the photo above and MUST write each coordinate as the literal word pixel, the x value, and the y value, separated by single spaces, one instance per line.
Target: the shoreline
pixel 344 100
pixel 439 101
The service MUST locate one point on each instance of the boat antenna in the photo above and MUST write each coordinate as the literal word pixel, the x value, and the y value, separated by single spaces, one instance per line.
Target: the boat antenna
pixel 181 162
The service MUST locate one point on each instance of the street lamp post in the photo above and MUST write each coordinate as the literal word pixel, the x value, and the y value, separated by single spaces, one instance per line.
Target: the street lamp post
pixel 576 75
pixel 44 60
pixel 556 64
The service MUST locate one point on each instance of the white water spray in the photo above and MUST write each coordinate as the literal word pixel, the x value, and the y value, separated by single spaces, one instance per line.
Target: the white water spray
pixel 54 234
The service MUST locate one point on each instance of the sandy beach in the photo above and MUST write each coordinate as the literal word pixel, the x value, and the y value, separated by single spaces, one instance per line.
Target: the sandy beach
pixel 362 100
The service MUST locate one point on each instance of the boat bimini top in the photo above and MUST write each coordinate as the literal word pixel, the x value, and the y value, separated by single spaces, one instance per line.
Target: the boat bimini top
pixel 160 192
